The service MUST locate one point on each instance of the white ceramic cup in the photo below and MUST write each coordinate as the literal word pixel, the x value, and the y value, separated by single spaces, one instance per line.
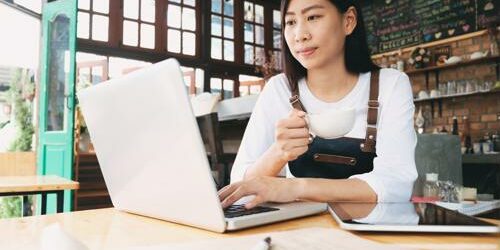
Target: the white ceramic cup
pixel 331 123
pixel 423 94
pixel 434 93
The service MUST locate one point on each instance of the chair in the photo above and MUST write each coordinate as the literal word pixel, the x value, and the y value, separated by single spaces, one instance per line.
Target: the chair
pixel 19 164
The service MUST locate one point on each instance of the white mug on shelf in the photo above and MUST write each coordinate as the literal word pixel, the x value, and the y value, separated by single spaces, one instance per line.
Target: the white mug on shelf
pixel 423 94
pixel 434 93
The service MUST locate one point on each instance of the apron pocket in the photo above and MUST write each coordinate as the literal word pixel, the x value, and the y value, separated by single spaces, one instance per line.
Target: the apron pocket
pixel 338 159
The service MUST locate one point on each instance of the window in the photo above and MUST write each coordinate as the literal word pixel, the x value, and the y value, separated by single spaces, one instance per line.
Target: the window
pixel 250 85
pixel 253 27
pixel 181 27
pixel 224 87
pixel 139 23
pixel 90 69
pixel 93 20
pixel 121 66
pixel 193 78
pixel 222 26
pixel 277 39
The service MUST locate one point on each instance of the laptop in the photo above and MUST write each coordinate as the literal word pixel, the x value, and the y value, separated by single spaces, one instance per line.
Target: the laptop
pixel 406 217
pixel 153 158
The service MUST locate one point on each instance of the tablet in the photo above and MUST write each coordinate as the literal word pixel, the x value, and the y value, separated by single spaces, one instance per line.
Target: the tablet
pixel 406 217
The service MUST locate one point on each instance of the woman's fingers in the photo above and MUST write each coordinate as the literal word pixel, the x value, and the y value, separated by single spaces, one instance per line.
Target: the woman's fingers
pixel 285 134
pixel 239 193
pixel 294 120
pixel 294 143
pixel 227 190
pixel 254 202
pixel 297 133
pixel 296 112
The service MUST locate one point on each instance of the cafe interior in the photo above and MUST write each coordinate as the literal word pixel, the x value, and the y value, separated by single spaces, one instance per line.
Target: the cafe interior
pixel 54 194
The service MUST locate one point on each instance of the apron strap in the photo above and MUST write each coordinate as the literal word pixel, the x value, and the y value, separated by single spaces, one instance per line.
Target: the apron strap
pixel 371 129
pixel 295 100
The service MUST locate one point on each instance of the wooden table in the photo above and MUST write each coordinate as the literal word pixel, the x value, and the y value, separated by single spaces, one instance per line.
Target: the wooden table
pixel 112 229
pixel 29 185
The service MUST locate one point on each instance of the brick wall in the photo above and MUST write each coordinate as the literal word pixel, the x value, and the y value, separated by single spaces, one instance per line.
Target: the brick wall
pixel 483 110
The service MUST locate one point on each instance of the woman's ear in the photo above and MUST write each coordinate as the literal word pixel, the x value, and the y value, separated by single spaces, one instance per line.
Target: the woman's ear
pixel 350 20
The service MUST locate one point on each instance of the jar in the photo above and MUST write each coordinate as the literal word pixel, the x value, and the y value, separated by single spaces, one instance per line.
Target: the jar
pixel 400 65
pixel 431 189
pixel 496 143
pixel 461 84
pixel 471 86
pixel 452 88
pixel 477 147
pixel 443 89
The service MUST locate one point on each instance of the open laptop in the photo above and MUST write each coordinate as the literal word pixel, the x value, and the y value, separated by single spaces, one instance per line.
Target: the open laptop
pixel 152 156
pixel 406 217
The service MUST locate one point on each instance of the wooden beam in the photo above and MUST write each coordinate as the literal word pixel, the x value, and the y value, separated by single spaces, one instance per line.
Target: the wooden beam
pixel 435 43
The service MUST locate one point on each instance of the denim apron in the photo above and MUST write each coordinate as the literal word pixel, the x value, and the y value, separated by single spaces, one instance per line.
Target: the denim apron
pixel 342 157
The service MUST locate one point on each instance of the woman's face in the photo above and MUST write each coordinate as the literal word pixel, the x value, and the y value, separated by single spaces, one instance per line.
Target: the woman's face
pixel 315 31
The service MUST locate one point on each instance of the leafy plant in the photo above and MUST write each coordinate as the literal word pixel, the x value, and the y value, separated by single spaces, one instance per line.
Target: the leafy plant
pixel 10 207
pixel 22 112
pixel 268 68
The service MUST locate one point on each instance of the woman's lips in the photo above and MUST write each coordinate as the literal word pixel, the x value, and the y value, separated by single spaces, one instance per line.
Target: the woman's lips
pixel 307 52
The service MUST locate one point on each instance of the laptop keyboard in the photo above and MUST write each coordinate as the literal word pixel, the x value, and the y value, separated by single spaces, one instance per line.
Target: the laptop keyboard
pixel 240 210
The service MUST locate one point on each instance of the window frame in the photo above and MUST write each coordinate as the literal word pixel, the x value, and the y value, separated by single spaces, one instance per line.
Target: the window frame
pixel 202 60
pixel 223 16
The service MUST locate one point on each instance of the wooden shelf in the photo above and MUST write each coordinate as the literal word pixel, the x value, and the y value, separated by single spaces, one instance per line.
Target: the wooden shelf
pixel 455 65
pixel 455 95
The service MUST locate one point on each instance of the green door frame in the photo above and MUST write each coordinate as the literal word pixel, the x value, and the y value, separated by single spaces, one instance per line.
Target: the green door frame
pixel 57 94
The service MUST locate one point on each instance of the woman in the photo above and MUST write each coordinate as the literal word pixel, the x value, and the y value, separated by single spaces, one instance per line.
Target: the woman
pixel 327 66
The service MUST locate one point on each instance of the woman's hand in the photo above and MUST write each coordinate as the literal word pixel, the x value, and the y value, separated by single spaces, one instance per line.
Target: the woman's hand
pixel 291 141
pixel 292 136
pixel 265 189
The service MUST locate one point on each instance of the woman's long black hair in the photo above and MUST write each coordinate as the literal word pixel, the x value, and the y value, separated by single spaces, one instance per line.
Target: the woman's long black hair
pixel 357 55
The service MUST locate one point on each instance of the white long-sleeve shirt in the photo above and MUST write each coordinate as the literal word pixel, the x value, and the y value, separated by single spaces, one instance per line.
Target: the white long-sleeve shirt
pixel 394 169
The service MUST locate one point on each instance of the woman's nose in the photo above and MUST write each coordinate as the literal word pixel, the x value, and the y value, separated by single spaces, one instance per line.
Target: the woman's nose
pixel 302 34
pixel 302 37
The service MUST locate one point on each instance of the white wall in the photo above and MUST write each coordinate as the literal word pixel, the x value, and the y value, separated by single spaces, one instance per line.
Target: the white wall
pixel 19 47
pixel 19 38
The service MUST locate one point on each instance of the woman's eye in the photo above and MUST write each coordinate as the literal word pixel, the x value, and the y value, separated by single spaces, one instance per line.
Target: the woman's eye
pixel 310 18
pixel 289 22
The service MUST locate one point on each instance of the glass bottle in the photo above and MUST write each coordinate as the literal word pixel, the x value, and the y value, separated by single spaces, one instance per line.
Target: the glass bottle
pixel 496 142
pixel 454 130
pixel 431 189
pixel 487 144
pixel 468 140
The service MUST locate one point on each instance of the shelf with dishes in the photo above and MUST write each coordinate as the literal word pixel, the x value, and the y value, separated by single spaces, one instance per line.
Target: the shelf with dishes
pixel 442 97
pixel 457 64
pixel 436 69
pixel 432 99
pixel 458 88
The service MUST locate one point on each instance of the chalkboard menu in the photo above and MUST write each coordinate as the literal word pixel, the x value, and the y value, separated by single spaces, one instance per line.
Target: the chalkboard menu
pixel 393 24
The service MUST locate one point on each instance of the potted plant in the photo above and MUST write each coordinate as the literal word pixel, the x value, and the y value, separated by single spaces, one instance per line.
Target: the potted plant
pixel 268 68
